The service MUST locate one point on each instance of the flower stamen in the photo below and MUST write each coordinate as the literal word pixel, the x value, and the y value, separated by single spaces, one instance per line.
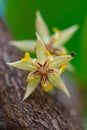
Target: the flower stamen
pixel 26 57
pixel 48 53
pixel 46 86
pixel 62 69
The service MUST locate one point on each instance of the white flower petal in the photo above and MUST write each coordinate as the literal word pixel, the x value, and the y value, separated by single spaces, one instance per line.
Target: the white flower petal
pixel 66 35
pixel 23 65
pixel 31 86
pixel 40 50
pixel 56 81
pixel 58 61
pixel 24 45
pixel 70 67
pixel 41 27
pixel 60 51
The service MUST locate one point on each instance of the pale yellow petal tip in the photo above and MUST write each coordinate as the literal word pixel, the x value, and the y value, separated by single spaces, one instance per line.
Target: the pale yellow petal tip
pixel 13 43
pixel 10 64
pixel 26 57
pixel 76 26
pixel 71 68
pixel 68 94
pixel 38 13
pixel 25 97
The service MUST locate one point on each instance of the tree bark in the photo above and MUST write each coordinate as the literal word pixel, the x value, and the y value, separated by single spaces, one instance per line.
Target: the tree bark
pixel 41 111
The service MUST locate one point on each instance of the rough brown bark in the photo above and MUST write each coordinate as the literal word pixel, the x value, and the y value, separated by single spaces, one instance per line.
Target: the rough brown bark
pixel 41 111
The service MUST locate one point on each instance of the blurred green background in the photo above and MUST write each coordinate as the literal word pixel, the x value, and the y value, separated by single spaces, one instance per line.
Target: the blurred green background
pixel 20 18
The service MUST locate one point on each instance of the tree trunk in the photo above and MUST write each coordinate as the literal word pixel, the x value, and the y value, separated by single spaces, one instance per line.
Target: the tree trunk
pixel 41 111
